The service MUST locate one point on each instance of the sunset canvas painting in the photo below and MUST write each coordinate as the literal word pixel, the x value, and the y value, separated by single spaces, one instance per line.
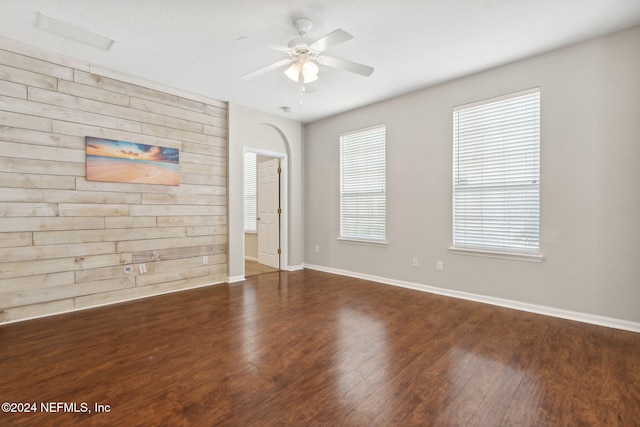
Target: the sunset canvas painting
pixel 121 161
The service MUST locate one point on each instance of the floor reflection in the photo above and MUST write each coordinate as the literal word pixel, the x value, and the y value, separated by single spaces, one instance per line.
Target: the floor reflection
pixel 364 365
pixel 250 326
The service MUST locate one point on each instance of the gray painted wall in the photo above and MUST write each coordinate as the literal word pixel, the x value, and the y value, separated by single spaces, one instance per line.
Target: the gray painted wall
pixel 590 184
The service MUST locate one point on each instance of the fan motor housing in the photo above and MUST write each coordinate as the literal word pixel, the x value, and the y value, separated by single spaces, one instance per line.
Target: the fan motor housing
pixel 300 43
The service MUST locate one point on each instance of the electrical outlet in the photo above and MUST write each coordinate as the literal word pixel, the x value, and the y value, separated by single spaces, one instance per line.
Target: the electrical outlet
pixel 205 259
pixel 317 248
pixel 439 266
pixel 142 268
pixel 414 261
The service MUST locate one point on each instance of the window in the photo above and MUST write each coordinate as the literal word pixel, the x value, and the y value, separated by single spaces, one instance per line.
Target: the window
pixel 496 174
pixel 250 208
pixel 363 185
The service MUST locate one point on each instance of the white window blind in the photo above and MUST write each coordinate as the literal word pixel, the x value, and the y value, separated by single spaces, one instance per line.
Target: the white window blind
pixel 496 174
pixel 363 185
pixel 250 208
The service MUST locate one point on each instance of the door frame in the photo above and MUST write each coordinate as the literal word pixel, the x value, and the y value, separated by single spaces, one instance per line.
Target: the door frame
pixel 284 203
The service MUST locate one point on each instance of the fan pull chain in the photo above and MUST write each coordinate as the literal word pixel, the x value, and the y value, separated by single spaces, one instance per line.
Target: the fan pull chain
pixel 301 81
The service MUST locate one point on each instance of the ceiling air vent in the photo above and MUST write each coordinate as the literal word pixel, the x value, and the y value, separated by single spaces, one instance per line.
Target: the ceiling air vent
pixel 74 32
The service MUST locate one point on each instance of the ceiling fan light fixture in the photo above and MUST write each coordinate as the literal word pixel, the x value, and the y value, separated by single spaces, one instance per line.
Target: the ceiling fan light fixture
pixel 309 71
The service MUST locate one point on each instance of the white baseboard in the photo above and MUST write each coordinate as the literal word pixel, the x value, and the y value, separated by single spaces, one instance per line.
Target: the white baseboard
pixel 250 258
pixel 516 305
pixel 295 267
pixel 234 279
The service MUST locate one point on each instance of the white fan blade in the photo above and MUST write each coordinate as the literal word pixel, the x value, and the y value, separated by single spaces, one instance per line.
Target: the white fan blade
pixel 268 68
pixel 330 40
pixel 342 64
pixel 268 46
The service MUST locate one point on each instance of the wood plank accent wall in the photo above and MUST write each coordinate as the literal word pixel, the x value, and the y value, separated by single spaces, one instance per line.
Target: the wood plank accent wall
pixel 64 241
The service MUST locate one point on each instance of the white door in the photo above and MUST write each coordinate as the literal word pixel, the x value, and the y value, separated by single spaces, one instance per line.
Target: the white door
pixel 268 216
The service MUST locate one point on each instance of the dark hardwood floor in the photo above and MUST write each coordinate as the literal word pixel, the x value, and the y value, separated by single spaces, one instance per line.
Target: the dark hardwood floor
pixel 313 349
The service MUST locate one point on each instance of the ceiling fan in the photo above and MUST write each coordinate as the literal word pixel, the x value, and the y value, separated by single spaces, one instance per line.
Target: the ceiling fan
pixel 304 55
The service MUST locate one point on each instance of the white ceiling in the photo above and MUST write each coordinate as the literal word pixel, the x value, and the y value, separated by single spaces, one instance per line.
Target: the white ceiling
pixel 192 44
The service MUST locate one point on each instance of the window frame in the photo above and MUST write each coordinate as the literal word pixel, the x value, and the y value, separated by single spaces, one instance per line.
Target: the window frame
pixel 368 235
pixel 530 250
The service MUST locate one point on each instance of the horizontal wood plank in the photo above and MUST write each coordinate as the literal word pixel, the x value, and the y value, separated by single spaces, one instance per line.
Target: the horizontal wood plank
pixel 48 167
pixel 32 296
pixel 203 220
pixel 194 168
pixel 212 147
pixel 171 111
pixel 187 210
pixel 182 199
pixel 90 92
pixel 98 261
pixel 108 109
pixel 93 209
pixel 28 136
pixel 24 121
pixel 187 263
pixel 28 209
pixel 68 114
pixel 211 107
pixel 207 230
pixel 158 244
pixel 146 291
pixel 197 179
pixel 178 253
pixel 106 235
pixel 126 88
pixel 186 157
pixel 40 152
pixel 213 190
pixel 215 131
pixel 119 187
pixel 84 130
pixel 26 77
pixel 9 240
pixel 26 180
pixel 104 273
pixel 36 282
pixel 66 196
pixel 30 268
pixel 35 65
pixel 180 274
pixel 130 222
pixel 56 251
pixel 14 90
pixel 36 310
pixel 49 224
pixel 166 132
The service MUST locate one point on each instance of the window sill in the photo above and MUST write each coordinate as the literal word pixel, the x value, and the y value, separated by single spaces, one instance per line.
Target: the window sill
pixel 363 241
pixel 496 254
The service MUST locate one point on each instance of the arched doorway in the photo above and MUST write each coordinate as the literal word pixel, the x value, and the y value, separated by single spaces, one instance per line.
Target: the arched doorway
pixel 266 243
